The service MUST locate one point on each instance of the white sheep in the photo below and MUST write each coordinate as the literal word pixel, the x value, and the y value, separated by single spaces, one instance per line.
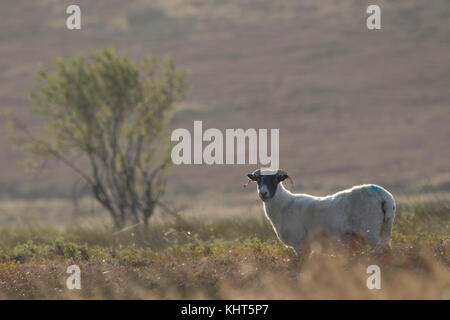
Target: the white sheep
pixel 366 211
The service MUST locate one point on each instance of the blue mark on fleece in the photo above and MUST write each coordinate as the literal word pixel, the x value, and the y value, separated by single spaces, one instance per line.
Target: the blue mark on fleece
pixel 375 187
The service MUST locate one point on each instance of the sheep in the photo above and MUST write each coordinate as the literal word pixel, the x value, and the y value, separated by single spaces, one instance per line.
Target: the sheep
pixel 366 211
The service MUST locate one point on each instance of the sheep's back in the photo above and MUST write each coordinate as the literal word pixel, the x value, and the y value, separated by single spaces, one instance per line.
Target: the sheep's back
pixel 363 208
pixel 358 210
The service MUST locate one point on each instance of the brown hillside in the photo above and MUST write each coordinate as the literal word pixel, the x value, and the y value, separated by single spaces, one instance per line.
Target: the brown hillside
pixel 352 105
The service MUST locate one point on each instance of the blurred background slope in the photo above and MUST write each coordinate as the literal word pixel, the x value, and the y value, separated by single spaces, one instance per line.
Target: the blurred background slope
pixel 352 105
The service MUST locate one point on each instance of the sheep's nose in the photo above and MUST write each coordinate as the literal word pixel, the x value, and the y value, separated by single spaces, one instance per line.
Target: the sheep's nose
pixel 263 193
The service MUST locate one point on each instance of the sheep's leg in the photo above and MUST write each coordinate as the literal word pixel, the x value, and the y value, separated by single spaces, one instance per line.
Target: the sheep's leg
pixel 352 241
pixel 380 235
pixel 375 242
pixel 301 252
pixel 386 234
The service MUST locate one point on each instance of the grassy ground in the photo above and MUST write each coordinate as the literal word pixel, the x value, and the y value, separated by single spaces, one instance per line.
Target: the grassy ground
pixel 224 259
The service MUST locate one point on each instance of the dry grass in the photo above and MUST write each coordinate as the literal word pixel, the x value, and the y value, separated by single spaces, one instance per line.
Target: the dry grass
pixel 223 259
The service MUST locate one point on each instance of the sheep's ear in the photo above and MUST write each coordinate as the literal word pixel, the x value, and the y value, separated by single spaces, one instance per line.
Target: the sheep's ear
pixel 282 175
pixel 253 176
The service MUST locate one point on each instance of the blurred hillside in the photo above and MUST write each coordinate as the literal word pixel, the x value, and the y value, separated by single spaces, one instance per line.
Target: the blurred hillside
pixel 352 105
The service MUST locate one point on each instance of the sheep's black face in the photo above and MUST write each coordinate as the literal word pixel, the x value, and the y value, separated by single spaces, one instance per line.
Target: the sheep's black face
pixel 267 183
